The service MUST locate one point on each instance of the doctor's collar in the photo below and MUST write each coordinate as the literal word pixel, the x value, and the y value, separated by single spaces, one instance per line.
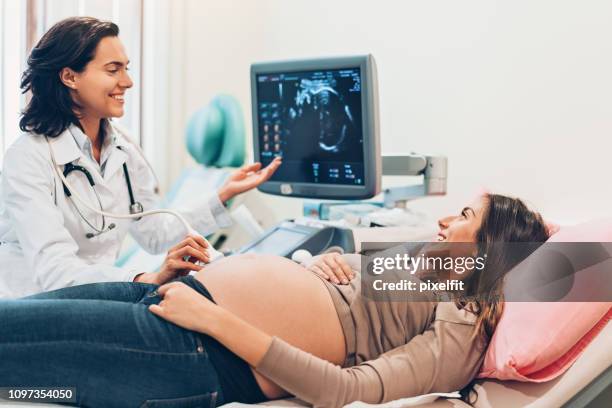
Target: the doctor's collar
pixel 67 147
pixel 79 137
pixel 108 132
pixel 111 137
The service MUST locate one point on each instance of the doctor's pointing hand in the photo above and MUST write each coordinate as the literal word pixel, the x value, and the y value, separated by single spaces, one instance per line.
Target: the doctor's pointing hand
pixel 72 164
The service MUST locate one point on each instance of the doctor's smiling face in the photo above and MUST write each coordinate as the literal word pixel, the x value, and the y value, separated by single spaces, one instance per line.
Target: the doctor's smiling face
pixel 77 75
pixel 99 90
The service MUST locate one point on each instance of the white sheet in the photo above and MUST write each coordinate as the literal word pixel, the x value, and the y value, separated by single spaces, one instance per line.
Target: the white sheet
pixel 400 403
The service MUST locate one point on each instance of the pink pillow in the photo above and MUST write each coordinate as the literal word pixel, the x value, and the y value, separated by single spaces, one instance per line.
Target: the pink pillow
pixel 538 341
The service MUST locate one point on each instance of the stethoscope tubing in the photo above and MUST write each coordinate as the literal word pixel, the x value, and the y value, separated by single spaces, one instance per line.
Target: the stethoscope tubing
pixel 85 204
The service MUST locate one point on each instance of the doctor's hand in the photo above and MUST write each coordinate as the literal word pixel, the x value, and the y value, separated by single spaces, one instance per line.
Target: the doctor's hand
pixel 185 307
pixel 333 268
pixel 180 260
pixel 246 178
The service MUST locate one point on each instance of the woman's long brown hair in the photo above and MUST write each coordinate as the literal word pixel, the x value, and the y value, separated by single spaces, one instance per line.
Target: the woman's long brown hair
pixel 505 220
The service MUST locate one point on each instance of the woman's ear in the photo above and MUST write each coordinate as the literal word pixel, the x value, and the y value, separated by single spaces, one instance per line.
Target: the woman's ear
pixel 68 78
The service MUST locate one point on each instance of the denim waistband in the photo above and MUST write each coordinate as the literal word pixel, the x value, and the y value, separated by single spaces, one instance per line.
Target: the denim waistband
pixel 195 284
pixel 153 297
pixel 238 383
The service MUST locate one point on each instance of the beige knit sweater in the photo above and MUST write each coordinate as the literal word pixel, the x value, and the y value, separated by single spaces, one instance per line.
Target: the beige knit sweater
pixel 394 350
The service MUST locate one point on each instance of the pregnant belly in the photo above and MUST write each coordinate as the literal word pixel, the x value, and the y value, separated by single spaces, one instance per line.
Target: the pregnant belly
pixel 282 299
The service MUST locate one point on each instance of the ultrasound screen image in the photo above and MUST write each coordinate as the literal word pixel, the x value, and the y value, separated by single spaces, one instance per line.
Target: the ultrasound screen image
pixel 313 120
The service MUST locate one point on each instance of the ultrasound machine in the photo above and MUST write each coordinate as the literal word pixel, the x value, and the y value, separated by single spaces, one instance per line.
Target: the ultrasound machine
pixel 321 116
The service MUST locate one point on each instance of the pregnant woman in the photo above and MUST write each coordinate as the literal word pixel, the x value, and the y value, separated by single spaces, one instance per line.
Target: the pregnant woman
pixel 251 328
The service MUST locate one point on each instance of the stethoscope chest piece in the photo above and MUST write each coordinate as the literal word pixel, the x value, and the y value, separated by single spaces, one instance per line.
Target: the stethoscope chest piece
pixel 136 208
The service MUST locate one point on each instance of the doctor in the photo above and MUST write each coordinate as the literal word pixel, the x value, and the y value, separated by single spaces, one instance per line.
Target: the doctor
pixel 77 76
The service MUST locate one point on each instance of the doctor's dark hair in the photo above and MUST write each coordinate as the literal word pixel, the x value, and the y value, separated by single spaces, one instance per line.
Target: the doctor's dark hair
pixel 70 43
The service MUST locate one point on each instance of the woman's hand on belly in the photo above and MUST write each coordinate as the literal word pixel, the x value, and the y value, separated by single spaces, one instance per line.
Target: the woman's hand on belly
pixel 281 299
pixel 332 267
pixel 185 307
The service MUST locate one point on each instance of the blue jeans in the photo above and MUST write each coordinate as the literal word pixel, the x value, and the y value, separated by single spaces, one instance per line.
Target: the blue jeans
pixel 102 339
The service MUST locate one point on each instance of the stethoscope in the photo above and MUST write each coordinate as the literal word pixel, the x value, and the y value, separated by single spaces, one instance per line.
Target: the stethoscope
pixel 135 206
pixel 136 210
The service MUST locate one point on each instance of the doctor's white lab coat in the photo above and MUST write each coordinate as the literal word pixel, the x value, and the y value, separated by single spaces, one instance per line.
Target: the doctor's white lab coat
pixel 43 238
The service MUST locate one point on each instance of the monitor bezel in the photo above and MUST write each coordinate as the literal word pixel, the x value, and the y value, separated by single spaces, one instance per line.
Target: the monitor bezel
pixel 370 124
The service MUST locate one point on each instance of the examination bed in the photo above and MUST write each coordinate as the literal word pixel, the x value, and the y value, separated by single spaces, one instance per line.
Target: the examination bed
pixel 588 382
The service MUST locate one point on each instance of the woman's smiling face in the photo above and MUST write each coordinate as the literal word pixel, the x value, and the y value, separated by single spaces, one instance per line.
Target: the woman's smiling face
pixel 100 88
pixel 465 226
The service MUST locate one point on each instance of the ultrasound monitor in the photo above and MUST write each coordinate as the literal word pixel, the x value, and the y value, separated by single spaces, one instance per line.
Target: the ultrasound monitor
pixel 321 116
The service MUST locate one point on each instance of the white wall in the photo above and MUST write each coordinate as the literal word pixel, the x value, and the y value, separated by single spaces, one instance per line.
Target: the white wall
pixel 518 94
pixel 12 55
